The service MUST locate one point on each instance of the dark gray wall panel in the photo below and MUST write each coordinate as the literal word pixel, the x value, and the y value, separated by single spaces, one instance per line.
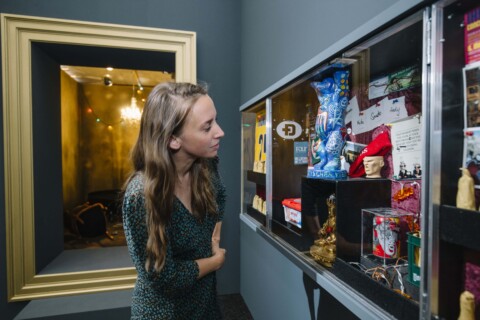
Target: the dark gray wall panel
pixel 217 24
pixel 279 36
pixel 270 284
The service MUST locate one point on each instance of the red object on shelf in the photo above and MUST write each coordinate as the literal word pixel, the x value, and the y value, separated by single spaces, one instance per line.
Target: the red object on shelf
pixel 293 211
pixel 294 203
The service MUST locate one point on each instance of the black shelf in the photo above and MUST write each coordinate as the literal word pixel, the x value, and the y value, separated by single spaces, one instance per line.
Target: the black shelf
pixel 256 177
pixel 460 227
pixel 384 297
pixel 257 215
pixel 378 293
pixel 352 195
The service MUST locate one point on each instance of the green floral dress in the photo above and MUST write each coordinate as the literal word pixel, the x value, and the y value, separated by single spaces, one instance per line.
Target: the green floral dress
pixel 174 292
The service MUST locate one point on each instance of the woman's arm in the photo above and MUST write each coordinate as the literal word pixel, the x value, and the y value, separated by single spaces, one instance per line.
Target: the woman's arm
pixel 213 263
pixel 216 232
pixel 217 260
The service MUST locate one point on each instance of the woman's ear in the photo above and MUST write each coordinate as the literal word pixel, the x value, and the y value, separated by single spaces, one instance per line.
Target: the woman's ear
pixel 175 143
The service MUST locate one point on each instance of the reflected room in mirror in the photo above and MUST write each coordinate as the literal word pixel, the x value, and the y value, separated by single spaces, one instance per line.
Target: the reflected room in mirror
pixel 100 115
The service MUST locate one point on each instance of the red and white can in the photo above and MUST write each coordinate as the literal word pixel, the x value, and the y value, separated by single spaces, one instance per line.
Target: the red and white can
pixel 386 238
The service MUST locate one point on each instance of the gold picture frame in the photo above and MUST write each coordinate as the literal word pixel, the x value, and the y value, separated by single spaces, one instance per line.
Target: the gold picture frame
pixel 18 33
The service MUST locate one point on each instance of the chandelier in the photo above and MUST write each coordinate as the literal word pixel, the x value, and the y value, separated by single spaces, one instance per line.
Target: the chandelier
pixel 132 112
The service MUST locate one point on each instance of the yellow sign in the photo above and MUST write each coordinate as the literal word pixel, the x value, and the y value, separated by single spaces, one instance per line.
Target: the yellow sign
pixel 260 137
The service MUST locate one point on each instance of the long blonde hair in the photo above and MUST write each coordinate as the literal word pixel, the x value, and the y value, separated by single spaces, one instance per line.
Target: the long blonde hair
pixel 164 115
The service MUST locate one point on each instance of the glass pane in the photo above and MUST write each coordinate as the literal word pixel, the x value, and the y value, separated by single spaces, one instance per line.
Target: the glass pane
pixel 254 137
pixel 459 252
pixel 320 199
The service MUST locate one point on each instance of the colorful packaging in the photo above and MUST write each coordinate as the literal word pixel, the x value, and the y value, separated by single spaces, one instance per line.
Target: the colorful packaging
pixel 472 36
pixel 386 240
pixel 293 211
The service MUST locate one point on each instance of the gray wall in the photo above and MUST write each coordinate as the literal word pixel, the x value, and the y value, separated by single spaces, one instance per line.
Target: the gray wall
pixel 271 285
pixel 217 23
pixel 279 36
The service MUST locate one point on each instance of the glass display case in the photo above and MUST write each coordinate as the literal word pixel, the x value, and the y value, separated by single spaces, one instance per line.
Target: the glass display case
pixel 413 91
pixel 382 82
pixel 455 240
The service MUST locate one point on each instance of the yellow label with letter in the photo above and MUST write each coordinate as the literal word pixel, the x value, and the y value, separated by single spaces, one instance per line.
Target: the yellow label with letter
pixel 260 137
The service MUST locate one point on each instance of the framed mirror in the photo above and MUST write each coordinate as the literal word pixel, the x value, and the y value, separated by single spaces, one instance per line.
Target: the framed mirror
pixel 36 55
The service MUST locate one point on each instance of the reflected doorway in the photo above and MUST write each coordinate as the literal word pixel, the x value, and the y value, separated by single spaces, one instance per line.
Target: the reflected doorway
pixel 100 116
pixel 84 137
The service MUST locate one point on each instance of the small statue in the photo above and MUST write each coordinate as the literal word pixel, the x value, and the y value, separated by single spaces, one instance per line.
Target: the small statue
pixel 417 171
pixel 324 249
pixel 466 191
pixel 467 306
pixel 333 95
pixel 373 165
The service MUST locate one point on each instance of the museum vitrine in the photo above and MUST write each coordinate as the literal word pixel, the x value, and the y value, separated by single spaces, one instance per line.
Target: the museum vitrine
pixel 454 133
pixel 380 212
pixel 388 215
pixel 314 200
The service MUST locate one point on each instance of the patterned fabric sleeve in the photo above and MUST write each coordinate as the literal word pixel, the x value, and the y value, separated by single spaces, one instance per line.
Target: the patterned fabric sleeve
pixel 219 188
pixel 176 275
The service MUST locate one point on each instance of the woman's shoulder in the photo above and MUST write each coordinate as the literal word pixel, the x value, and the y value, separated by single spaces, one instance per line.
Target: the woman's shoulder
pixel 134 198
pixel 135 186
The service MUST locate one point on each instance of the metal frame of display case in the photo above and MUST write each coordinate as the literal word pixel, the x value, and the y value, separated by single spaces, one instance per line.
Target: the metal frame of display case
pixel 427 223
pixel 269 182
pixel 431 196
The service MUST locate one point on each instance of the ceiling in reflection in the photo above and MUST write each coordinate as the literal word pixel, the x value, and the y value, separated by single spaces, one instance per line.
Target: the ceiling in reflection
pixel 118 77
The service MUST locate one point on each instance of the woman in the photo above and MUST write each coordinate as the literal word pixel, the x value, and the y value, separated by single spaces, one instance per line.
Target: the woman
pixel 173 206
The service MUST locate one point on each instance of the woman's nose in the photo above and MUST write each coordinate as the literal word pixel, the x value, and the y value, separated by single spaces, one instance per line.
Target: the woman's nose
pixel 220 132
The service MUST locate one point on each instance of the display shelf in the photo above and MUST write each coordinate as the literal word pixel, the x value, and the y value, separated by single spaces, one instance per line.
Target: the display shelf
pixel 256 177
pixel 380 294
pixel 344 281
pixel 352 195
pixel 257 215
pixel 385 298
pixel 460 227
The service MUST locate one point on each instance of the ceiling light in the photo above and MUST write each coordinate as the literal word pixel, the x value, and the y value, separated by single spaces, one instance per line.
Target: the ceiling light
pixel 132 112
pixel 107 81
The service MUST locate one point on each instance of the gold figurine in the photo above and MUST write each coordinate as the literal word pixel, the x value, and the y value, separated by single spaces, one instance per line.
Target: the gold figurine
pixel 324 249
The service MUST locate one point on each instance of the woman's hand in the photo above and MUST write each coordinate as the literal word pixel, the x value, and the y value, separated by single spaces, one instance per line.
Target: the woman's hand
pixel 218 253
pixel 216 232
pixel 216 261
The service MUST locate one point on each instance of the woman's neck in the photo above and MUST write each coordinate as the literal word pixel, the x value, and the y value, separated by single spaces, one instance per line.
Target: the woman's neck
pixel 183 190
pixel 182 165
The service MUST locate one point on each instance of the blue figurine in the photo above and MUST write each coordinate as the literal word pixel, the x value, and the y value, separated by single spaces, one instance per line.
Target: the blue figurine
pixel 333 95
